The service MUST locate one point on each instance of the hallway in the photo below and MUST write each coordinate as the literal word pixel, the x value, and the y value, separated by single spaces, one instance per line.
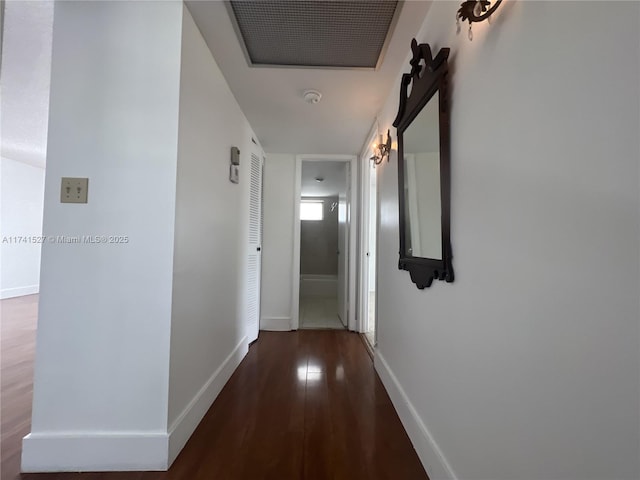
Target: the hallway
pixel 302 405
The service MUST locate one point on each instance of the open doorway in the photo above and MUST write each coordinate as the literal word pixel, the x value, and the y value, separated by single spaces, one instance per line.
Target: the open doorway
pixel 25 72
pixel 323 243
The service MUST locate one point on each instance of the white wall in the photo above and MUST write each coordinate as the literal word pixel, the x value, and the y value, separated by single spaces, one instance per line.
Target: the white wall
pixel 21 212
pixel 277 240
pixel 208 337
pixel 102 360
pixel 319 240
pixel 527 367
pixel 1 22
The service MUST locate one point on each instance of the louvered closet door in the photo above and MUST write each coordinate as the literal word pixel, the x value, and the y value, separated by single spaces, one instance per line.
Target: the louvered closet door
pixel 255 241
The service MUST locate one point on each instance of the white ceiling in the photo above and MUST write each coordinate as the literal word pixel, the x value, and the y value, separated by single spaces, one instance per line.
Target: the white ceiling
pixel 334 175
pixel 25 78
pixel 271 98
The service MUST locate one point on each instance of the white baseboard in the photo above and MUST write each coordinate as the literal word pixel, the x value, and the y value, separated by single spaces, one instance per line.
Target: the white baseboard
pixel 427 449
pixel 88 452
pixel 19 291
pixel 275 324
pixel 127 451
pixel 186 423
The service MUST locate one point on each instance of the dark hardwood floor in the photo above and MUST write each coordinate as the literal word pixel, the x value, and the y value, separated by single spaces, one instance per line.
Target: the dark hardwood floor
pixel 302 405
pixel 18 319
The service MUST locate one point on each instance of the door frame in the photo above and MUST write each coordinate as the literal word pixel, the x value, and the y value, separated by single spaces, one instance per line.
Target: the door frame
pixel 352 232
pixel 363 263
pixel 365 213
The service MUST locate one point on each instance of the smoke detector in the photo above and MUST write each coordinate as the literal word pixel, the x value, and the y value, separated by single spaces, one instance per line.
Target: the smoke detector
pixel 312 96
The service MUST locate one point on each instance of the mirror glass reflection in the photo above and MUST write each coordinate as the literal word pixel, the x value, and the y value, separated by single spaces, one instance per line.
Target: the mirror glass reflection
pixel 421 145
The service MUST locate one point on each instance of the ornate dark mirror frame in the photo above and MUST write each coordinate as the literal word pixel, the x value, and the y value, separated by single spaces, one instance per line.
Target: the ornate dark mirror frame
pixel 428 75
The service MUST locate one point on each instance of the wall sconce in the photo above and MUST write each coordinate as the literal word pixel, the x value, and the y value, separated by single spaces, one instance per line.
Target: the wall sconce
pixel 381 150
pixel 476 11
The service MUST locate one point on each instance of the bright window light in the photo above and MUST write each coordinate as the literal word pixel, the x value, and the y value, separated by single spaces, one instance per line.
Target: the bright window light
pixel 311 210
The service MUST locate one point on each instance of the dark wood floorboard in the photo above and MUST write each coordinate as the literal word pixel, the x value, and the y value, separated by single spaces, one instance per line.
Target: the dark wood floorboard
pixel 18 319
pixel 303 405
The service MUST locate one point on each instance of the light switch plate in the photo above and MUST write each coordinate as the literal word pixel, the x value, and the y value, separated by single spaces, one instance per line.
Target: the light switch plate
pixel 74 190
pixel 234 173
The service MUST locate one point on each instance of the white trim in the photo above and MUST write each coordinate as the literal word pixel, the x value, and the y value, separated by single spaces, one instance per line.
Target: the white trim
pixel 186 423
pixel 275 324
pixel 295 274
pixel 94 452
pixel 377 260
pixel 353 231
pixel 430 455
pixel 19 291
pixel 365 212
pixel 354 218
pixel 363 264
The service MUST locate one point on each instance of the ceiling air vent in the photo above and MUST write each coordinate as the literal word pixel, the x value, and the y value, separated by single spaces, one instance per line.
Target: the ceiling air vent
pixel 337 34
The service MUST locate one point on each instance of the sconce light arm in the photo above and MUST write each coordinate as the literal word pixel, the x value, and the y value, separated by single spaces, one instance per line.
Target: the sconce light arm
pixel 466 10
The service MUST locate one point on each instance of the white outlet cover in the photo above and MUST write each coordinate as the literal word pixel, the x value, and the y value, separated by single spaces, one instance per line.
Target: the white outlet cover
pixel 74 190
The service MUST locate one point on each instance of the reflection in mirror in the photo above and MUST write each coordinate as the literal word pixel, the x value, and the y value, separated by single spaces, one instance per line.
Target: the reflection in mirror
pixel 424 168
pixel 423 224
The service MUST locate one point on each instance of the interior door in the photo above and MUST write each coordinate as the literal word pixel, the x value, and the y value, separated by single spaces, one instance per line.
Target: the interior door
pixel 369 280
pixel 343 250
pixel 254 261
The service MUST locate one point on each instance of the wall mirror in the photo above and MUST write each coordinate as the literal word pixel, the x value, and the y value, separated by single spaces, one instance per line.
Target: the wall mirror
pixel 424 168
